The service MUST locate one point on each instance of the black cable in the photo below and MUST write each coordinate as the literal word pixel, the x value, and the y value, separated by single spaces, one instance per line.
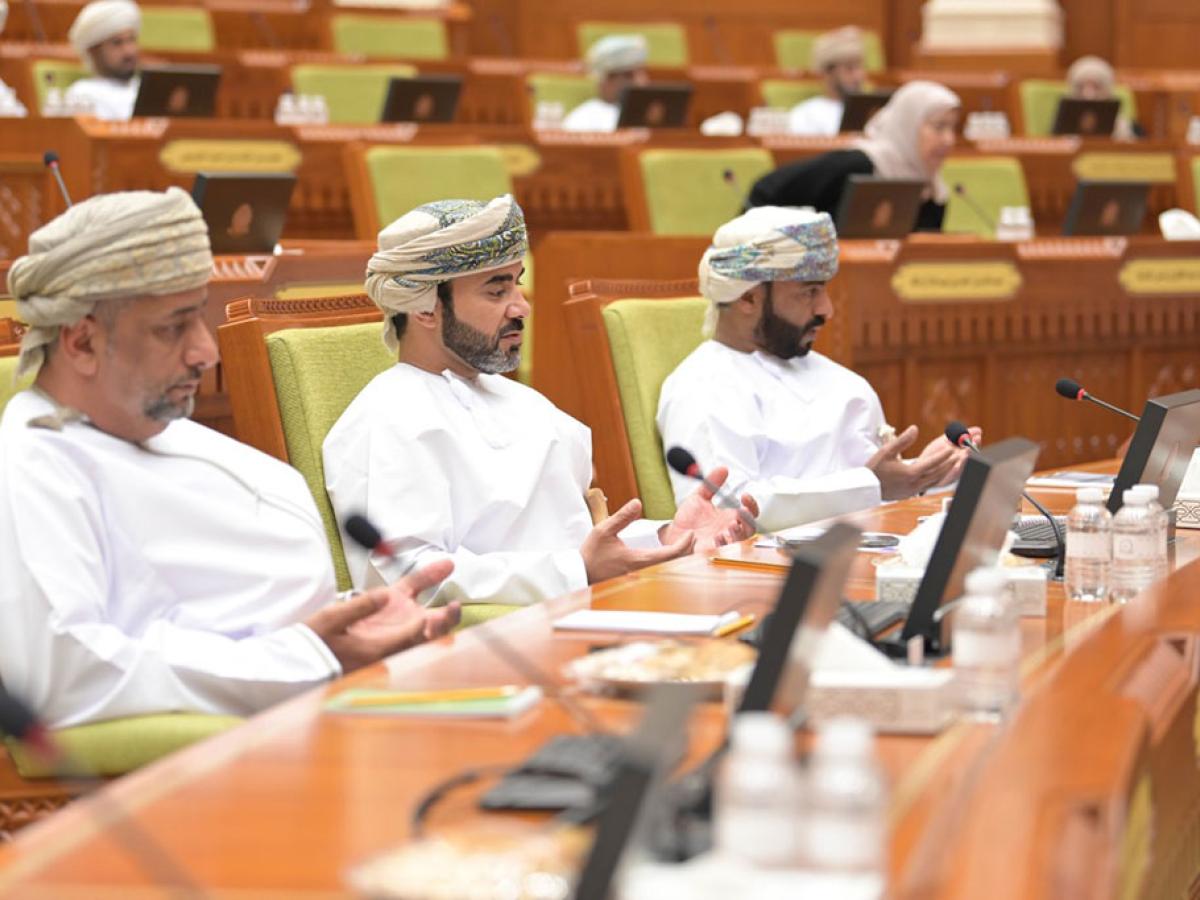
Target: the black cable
pixel 438 792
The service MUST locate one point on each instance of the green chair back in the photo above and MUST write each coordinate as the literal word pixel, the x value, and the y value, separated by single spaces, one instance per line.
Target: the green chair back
pixel 317 372
pixel 177 28
pixel 354 94
pixel 405 177
pixel 59 73
pixel 122 745
pixel 992 182
pixel 786 93
pixel 687 192
pixel 793 49
pixel 377 37
pixel 666 42
pixel 8 388
pixel 552 87
pixel 648 339
pixel 1039 104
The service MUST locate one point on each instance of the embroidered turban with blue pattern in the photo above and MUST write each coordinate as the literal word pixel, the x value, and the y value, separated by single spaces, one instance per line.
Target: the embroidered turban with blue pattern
pixel 767 243
pixel 437 242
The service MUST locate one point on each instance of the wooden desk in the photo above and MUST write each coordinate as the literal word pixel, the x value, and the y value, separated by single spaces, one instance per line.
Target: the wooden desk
pixel 1094 776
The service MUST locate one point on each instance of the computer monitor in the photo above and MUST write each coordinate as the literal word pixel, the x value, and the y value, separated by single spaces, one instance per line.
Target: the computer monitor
pixel 244 213
pixel 425 98
pixel 979 518
pixel 658 105
pixel 878 207
pixel 178 91
pixel 1087 118
pixel 1161 448
pixel 857 109
pixel 807 604
pixel 1103 208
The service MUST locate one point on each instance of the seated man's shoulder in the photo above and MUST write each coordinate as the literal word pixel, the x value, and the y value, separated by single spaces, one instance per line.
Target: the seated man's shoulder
pixel 710 364
pixel 836 373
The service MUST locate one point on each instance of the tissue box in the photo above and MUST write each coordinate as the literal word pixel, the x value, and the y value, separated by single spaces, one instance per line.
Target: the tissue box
pixel 1187 511
pixel 898 700
pixel 894 580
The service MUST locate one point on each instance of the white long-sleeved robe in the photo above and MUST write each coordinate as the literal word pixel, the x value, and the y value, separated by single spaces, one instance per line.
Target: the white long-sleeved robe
pixel 795 434
pixel 593 115
pixel 169 576
pixel 816 117
pixel 487 472
pixel 107 98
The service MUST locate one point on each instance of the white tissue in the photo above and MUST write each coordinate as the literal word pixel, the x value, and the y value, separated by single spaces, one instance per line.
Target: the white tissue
pixel 726 124
pixel 1179 225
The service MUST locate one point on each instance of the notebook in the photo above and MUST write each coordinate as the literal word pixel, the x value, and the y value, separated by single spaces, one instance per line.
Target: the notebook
pixel 628 621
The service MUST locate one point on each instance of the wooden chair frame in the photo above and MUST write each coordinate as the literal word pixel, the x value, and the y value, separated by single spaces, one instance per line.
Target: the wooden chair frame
pixel 247 366
pixel 601 400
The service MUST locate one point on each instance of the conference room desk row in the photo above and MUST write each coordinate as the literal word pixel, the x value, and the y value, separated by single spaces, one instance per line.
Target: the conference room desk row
pixel 1091 790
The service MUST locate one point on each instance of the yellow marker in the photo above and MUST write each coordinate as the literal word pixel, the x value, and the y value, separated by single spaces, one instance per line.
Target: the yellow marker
pixel 453 695
pixel 736 625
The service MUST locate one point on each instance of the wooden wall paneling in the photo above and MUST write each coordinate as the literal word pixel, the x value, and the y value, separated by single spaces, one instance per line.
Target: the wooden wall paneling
pixel 1156 34
pixel 1088 29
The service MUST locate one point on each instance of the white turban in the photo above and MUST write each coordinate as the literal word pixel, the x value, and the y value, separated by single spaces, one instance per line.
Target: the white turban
pixel 437 242
pixel 836 46
pixel 766 243
pixel 1091 68
pixel 114 246
pixel 101 20
pixel 616 53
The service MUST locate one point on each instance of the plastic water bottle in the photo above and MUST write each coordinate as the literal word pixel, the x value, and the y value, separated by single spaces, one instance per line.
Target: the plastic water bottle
pixel 987 647
pixel 757 797
pixel 1135 548
pixel 845 821
pixel 1161 520
pixel 1089 547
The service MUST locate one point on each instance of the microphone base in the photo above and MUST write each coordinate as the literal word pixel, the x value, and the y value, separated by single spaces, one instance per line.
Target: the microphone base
pixel 894 647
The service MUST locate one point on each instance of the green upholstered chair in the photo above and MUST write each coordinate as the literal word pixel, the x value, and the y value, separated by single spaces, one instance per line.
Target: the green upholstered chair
pixel 8 368
pixel 666 42
pixel 687 192
pixel 648 339
pixel 404 177
pixel 177 28
pixel 1039 104
pixel 793 49
pixel 394 37
pixel 354 94
pixel 122 745
pixel 553 87
pixel 59 73
pixel 993 182
pixel 786 93
pixel 317 372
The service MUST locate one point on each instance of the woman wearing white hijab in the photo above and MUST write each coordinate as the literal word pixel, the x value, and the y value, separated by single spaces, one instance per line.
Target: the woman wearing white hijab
pixel 909 138
pixel 1091 78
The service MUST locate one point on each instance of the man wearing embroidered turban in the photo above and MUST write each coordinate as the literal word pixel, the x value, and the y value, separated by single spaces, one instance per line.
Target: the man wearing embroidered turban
pixel 149 564
pixel 804 435
pixel 616 62
pixel 453 459
pixel 105 35
pixel 838 57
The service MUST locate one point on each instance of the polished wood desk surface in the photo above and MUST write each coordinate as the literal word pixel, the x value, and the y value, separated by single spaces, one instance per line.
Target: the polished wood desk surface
pixel 290 800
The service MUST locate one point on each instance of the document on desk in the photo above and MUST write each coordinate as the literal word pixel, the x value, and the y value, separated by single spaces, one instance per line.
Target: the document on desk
pixel 1067 479
pixel 504 702
pixel 638 622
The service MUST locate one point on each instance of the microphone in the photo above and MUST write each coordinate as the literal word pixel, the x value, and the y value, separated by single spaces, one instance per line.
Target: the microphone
pixel 50 158
pixel 367 536
pixel 958 434
pixel 685 464
pixel 980 213
pixel 730 178
pixel 1073 390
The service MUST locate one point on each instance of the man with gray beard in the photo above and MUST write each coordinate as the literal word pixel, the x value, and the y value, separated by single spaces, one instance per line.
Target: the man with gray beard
pixel 453 460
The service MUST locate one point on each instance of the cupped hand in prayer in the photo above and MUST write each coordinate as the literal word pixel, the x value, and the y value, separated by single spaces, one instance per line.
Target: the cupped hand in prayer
pixel 710 525
pixel 377 623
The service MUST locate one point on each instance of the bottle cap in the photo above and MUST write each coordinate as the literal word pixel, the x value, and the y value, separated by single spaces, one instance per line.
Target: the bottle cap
pixel 762 732
pixel 1134 497
pixel 986 581
pixel 1150 491
pixel 1089 495
pixel 844 737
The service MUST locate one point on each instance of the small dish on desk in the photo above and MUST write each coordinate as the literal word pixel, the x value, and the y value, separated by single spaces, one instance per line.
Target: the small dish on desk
pixel 633 667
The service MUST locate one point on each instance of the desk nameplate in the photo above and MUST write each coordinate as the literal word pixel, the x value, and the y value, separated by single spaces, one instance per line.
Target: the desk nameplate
pixel 971 282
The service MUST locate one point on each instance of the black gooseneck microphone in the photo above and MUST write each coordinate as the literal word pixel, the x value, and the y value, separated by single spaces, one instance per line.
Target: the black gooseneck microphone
pixel 1073 390
pixel 980 213
pixel 958 434
pixel 50 158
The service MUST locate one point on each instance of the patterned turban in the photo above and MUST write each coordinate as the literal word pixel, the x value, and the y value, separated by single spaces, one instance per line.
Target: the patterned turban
pixel 616 53
pixel 437 242
pixel 767 243
pixel 836 46
pixel 114 246
pixel 100 20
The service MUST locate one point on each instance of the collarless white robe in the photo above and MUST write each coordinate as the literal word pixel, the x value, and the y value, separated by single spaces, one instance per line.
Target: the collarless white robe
pixel 108 99
pixel 593 115
pixel 816 117
pixel 139 579
pixel 795 434
pixel 487 472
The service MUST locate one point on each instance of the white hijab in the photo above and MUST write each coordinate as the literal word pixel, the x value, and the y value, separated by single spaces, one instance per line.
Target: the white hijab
pixel 892 139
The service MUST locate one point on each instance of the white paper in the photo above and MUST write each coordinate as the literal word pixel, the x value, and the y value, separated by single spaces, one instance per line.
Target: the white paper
pixel 630 621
